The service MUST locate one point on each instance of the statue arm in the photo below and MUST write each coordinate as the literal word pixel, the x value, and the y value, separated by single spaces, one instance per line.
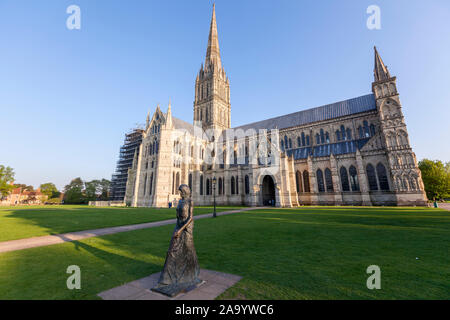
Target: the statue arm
pixel 191 218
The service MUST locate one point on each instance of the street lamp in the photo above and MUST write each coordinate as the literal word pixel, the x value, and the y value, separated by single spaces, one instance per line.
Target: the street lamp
pixel 214 181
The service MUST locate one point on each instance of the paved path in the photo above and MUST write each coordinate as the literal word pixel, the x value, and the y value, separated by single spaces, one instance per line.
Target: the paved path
pixel 27 243
pixel 445 206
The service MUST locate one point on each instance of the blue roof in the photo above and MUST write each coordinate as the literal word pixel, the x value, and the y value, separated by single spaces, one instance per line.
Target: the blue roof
pixel 326 150
pixel 330 111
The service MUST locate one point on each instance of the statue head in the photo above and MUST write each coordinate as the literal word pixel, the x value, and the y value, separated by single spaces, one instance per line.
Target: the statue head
pixel 185 191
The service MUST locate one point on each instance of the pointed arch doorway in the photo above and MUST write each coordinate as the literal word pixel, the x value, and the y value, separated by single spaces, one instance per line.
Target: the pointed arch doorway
pixel 268 191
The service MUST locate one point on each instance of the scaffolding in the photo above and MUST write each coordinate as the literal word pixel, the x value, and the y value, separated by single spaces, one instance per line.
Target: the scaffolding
pixel 133 140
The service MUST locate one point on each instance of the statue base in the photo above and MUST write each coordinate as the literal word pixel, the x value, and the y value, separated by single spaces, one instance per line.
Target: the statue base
pixel 172 290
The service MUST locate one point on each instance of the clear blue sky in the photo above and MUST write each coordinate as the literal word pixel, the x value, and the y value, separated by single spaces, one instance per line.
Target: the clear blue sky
pixel 68 97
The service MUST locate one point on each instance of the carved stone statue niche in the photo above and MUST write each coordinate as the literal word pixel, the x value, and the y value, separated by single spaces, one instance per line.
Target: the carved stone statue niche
pixel 181 270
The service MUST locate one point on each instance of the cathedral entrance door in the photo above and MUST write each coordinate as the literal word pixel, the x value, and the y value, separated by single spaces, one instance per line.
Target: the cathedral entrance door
pixel 268 191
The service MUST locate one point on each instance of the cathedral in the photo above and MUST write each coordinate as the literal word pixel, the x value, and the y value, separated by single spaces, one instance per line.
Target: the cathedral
pixel 353 152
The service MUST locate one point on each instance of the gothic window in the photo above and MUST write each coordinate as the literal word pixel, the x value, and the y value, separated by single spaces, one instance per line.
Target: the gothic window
pixel 366 129
pixel 327 137
pixel 207 187
pixel 151 184
pixel 220 186
pixel 338 135
pixel 349 134
pixel 237 185
pixel 177 181
pixel 282 145
pixel 298 180
pixel 354 178
pixel 343 133
pixel 201 185
pixel 344 179
pixel 320 182
pixel 232 185
pixel 207 115
pixel 303 139
pixel 286 142
pixel 290 143
pixel 322 136
pixel 299 142
pixel 372 129
pixel 247 185
pixel 190 181
pixel 306 186
pixel 373 185
pixel 329 180
pixel 382 177
pixel 173 183
pixel 307 140
pixel 317 139
pixel 361 133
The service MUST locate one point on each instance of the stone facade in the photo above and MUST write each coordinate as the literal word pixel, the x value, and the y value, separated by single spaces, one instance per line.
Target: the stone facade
pixel 353 152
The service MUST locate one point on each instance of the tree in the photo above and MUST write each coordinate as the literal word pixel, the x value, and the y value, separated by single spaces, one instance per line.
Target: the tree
pixel 73 192
pixel 436 178
pixel 6 180
pixel 105 187
pixel 50 190
pixel 24 187
pixel 91 190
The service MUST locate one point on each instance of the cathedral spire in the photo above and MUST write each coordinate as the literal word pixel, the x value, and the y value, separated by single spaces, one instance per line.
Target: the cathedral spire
pixel 380 71
pixel 213 51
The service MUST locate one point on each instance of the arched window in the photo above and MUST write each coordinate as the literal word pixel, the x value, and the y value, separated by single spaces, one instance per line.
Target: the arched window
pixel 317 138
pixel 201 185
pixel 307 140
pixel 320 182
pixel 237 185
pixel 190 181
pixel 207 187
pixel 366 129
pixel 306 186
pixel 173 183
pixel 322 136
pixel 361 133
pixel 298 180
pixel 151 184
pixel 286 142
pixel 220 186
pixel 282 145
pixel 177 185
pixel 290 143
pixel 373 186
pixel 372 130
pixel 327 137
pixel 354 178
pixel 303 139
pixel 247 185
pixel 299 142
pixel 329 180
pixel 382 177
pixel 343 132
pixel 344 179
pixel 232 185
pixel 349 134
pixel 338 135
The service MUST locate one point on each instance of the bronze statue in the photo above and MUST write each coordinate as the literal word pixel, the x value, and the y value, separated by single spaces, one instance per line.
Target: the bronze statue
pixel 181 270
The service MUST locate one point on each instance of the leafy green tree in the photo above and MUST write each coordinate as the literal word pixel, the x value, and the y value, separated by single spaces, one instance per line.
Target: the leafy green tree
pixel 73 192
pixel 91 190
pixel 6 180
pixel 50 190
pixel 105 187
pixel 436 178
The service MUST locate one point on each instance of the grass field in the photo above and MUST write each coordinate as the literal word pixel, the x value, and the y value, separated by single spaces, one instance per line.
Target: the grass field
pixel 26 222
pixel 308 253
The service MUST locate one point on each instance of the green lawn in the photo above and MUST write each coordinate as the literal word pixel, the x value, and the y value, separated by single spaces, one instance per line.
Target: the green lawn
pixel 26 222
pixel 308 253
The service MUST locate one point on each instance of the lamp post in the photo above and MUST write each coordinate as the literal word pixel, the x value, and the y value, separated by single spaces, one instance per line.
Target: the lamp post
pixel 214 181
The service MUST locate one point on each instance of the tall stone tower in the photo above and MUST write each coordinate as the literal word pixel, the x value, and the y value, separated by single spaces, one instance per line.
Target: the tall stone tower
pixel 212 87
pixel 405 174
